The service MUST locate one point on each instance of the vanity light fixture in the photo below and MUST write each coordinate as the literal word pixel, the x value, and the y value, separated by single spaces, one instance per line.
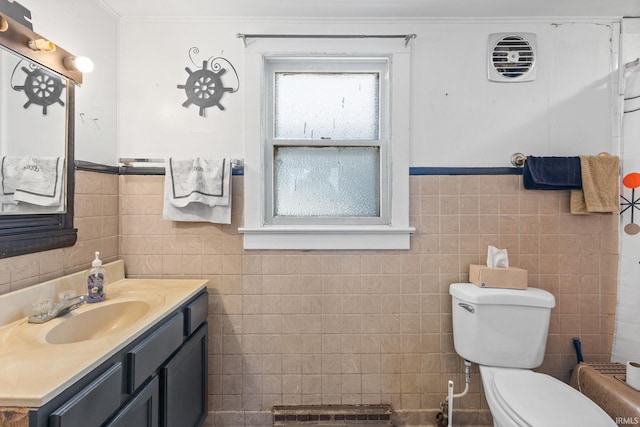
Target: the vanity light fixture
pixel 4 25
pixel 78 63
pixel 42 45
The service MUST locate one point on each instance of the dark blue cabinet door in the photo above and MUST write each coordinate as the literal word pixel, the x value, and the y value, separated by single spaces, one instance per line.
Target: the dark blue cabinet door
pixel 185 384
pixel 142 409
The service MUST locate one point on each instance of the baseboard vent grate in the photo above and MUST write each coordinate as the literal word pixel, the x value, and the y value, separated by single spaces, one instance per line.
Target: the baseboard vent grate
pixel 608 368
pixel 332 415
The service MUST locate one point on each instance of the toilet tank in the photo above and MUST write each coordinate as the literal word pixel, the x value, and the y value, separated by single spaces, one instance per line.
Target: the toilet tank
pixel 500 327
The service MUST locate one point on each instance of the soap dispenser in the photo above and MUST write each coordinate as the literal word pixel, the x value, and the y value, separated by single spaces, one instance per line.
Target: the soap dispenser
pixel 96 280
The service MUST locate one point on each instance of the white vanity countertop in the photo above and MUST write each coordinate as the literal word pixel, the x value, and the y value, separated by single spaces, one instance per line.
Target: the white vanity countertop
pixel 33 370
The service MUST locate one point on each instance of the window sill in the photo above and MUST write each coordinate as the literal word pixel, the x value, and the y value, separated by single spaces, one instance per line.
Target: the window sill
pixel 327 238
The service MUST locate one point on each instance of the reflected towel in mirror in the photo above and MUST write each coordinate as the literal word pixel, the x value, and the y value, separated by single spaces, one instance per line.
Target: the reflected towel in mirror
pixel 32 179
pixel 41 181
pixel 11 170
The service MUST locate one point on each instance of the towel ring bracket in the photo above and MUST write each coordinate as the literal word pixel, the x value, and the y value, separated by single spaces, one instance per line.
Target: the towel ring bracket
pixel 518 159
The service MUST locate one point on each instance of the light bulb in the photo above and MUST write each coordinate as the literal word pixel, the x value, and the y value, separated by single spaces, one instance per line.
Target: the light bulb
pixel 84 64
pixel 78 63
pixel 42 45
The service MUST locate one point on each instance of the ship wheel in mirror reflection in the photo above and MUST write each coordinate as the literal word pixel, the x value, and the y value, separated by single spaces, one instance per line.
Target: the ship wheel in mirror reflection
pixel 41 87
pixel 204 87
pixel 631 181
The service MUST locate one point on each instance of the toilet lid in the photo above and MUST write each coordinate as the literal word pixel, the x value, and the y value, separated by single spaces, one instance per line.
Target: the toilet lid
pixel 543 401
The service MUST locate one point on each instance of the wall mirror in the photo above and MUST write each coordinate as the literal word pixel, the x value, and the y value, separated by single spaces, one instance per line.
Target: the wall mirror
pixel 33 137
pixel 37 99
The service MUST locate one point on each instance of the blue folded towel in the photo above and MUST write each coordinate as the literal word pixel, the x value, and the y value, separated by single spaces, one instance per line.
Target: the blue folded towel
pixel 552 173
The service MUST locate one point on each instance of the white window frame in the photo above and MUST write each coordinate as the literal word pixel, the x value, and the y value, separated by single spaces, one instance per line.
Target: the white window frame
pixel 394 232
pixel 319 64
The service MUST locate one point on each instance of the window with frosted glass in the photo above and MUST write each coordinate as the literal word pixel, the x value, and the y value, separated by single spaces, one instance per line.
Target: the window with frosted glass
pixel 338 106
pixel 326 181
pixel 326 140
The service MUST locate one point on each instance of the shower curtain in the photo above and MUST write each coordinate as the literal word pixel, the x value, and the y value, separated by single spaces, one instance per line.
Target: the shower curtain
pixel 626 340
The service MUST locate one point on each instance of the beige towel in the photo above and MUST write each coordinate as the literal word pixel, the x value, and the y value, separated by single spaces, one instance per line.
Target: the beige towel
pixel 600 191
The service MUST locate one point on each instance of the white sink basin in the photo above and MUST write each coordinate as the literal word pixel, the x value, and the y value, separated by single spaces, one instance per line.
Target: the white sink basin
pixel 97 322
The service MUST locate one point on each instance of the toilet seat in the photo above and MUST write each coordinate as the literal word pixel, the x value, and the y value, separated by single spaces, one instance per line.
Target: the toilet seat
pixel 532 399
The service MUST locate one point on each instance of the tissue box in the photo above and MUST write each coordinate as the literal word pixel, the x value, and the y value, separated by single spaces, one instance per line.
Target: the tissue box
pixel 489 277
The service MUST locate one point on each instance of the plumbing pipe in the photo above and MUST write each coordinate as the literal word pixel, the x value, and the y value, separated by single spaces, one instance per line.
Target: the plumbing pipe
pixel 451 396
pixel 467 379
pixel 450 405
pixel 578 347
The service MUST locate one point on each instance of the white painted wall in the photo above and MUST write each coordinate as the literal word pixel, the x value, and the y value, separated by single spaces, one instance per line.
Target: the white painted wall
pixel 462 119
pixel 458 117
pixel 154 55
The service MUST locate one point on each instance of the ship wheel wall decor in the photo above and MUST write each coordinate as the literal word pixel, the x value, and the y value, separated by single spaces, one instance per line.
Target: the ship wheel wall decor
pixel 204 86
pixel 631 181
pixel 42 87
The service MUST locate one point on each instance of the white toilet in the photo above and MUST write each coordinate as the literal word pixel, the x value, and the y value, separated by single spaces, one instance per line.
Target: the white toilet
pixel 504 331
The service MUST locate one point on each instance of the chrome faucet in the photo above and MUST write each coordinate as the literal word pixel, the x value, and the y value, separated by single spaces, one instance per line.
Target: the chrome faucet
pixel 61 308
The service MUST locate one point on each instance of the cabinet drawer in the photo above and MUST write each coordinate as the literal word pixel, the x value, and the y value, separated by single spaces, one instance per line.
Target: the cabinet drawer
pixel 93 404
pixel 145 358
pixel 196 313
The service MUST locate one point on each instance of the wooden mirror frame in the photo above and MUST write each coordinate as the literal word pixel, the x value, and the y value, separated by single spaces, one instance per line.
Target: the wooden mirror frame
pixel 29 233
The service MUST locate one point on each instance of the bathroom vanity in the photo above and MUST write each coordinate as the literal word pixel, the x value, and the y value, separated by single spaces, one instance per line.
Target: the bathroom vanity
pixel 137 359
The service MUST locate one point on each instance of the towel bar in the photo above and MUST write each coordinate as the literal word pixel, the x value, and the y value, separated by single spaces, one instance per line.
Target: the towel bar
pixel 129 161
pixel 518 159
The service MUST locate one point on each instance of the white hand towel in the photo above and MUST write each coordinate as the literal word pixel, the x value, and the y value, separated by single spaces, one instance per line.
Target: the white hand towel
pixel 197 181
pixel 11 170
pixel 41 181
pixel 189 196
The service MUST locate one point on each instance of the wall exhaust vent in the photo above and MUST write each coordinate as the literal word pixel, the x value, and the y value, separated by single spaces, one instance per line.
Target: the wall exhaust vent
pixel 512 57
